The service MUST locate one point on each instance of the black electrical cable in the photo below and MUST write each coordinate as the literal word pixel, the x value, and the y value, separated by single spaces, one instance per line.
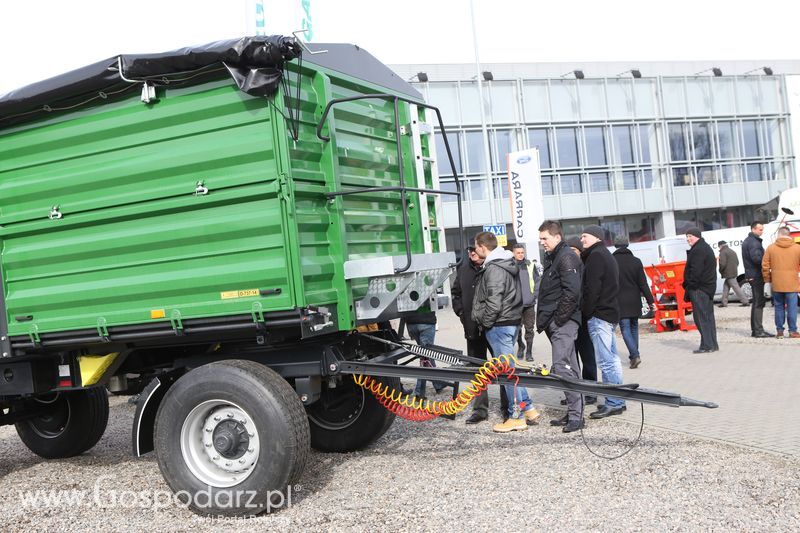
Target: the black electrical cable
pixel 612 457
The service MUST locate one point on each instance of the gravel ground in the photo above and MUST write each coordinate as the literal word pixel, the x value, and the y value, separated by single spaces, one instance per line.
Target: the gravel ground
pixel 443 475
pixel 440 475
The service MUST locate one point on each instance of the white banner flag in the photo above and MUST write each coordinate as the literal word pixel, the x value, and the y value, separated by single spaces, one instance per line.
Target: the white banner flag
pixel 525 193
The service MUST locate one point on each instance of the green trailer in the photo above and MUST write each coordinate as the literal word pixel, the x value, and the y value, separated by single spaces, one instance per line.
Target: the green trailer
pixel 214 225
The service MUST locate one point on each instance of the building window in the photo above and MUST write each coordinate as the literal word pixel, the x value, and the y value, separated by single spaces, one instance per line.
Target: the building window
pixel 450 186
pixel 477 189
pixel 567 146
pixel 706 175
pixel 728 140
pixel 571 184
pixel 681 176
pixel 538 139
pixel 751 138
pixel 701 140
pixel 506 144
pixel 623 145
pixel 599 182
pixel 476 163
pixel 595 146
pixel 442 162
pixel 629 180
pixel 547 186
pixel 677 142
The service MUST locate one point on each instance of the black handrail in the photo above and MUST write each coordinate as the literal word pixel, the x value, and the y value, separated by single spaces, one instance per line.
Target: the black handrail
pixel 402 188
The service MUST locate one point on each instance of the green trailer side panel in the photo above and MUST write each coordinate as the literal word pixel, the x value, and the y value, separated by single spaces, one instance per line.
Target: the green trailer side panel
pixel 134 237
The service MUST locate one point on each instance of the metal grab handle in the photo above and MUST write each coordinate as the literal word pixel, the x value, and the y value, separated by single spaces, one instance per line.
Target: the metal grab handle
pixel 402 189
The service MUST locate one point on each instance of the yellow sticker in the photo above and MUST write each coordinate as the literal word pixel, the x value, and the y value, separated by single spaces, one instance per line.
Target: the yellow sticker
pixel 227 295
pixel 670 274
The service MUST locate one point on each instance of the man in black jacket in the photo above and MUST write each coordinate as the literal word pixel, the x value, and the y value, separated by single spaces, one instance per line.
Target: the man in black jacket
pixel 559 315
pixel 497 308
pixel 700 283
pixel 463 291
pixel 752 254
pixel 632 287
pixel 600 309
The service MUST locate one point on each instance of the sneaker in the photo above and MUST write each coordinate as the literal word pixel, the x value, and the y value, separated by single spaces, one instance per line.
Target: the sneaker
pixel 512 424
pixel 635 362
pixel 532 417
pixel 794 335
pixel 779 334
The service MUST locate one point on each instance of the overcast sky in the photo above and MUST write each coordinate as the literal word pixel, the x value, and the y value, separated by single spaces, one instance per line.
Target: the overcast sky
pixel 42 38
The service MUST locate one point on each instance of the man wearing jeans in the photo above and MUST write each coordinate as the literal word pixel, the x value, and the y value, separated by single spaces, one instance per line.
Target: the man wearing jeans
pixel 632 287
pixel 600 309
pixel 422 328
pixel 781 267
pixel 497 308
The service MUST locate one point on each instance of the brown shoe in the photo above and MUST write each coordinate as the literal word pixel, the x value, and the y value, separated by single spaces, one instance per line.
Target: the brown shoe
pixel 779 334
pixel 512 424
pixel 794 335
pixel 532 417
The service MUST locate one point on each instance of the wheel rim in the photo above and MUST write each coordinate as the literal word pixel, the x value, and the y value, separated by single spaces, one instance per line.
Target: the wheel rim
pixel 55 422
pixel 219 443
pixel 747 289
pixel 337 408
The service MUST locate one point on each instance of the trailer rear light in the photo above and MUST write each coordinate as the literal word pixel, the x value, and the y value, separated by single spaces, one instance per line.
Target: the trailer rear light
pixel 64 376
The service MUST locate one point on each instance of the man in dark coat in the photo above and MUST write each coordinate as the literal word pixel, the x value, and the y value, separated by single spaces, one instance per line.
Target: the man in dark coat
pixel 752 254
pixel 700 283
pixel 559 315
pixel 600 309
pixel 632 287
pixel 463 291
pixel 729 270
pixel 583 344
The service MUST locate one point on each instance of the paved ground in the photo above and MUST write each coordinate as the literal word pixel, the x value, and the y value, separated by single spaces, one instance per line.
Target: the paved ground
pixel 754 381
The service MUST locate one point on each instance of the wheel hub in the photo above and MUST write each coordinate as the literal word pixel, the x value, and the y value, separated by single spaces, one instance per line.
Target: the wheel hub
pixel 219 443
pixel 230 439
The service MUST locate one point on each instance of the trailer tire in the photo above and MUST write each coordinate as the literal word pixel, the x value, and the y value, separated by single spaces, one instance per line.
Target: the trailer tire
pixel 77 421
pixel 348 418
pixel 208 451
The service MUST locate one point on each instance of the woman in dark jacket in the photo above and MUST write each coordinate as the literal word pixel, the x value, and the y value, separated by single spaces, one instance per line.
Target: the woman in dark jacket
pixel 632 286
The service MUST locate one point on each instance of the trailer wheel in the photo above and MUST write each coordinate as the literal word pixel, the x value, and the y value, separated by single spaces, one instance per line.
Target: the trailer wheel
pixel 348 418
pixel 231 439
pixel 73 422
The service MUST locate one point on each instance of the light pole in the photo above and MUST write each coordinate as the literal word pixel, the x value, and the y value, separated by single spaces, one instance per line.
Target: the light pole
pixel 486 155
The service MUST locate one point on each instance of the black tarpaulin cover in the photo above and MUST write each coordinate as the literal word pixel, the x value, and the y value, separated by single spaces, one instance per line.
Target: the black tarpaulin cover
pixel 255 64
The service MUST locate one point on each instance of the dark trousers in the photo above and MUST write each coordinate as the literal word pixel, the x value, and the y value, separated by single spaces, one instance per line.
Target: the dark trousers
pixel 529 324
pixel 479 348
pixel 703 312
pixel 585 350
pixel 565 362
pixel 757 306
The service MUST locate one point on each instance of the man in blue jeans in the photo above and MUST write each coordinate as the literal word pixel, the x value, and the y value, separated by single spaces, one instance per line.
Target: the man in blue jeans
pixel 422 328
pixel 600 309
pixel 497 309
pixel 632 288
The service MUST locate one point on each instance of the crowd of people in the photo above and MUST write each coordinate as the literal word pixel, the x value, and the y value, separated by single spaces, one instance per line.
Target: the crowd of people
pixel 579 296
pixel 577 300
pixel 582 292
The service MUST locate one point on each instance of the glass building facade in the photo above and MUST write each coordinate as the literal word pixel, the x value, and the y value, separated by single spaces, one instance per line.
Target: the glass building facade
pixel 644 157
